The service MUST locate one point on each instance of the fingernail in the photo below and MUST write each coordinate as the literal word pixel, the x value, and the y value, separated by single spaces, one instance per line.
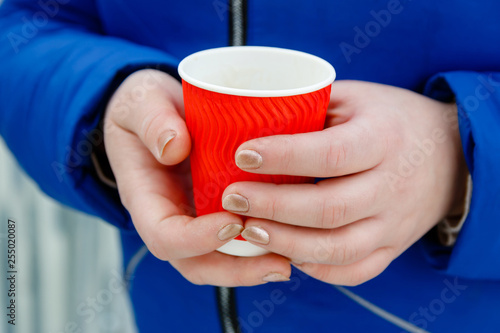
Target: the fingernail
pixel 235 203
pixel 164 140
pixel 248 159
pixel 229 231
pixel 256 234
pixel 275 277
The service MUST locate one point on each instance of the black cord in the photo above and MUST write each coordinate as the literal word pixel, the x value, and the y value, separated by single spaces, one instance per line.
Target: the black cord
pixel 237 22
pixel 226 297
pixel 226 304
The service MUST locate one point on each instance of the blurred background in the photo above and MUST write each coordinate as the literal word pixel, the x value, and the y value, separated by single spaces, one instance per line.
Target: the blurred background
pixel 68 264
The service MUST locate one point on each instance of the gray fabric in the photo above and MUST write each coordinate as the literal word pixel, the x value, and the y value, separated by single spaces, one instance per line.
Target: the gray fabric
pixel 65 261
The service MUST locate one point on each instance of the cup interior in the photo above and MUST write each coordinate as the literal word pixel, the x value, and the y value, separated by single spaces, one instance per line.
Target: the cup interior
pixel 256 71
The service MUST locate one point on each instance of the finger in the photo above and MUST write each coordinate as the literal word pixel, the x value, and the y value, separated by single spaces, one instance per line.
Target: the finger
pixel 341 150
pixel 336 114
pixel 150 105
pixel 154 200
pixel 180 236
pixel 228 271
pixel 340 246
pixel 351 275
pixel 330 203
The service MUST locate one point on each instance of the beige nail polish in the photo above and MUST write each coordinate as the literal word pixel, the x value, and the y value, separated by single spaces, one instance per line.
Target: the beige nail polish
pixel 248 159
pixel 229 232
pixel 164 140
pixel 275 277
pixel 235 203
pixel 256 234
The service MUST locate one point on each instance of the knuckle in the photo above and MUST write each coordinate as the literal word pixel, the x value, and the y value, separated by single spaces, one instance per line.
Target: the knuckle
pixel 118 112
pixel 192 273
pixel 128 196
pixel 357 278
pixel 325 216
pixel 156 250
pixel 335 157
pixel 194 277
pixel 374 196
pixel 272 209
pixel 322 273
pixel 240 279
pixel 367 271
pixel 148 126
pixel 342 254
pixel 288 152
pixel 157 244
pixel 291 249
pixel 332 212
pixel 339 211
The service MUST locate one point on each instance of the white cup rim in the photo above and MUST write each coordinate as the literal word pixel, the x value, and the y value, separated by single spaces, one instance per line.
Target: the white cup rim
pixel 328 79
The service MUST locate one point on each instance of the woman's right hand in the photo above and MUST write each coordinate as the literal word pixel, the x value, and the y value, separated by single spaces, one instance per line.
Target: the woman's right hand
pixel 147 144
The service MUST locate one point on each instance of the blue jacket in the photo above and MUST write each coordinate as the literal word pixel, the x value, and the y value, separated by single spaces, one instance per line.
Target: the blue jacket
pixel 60 60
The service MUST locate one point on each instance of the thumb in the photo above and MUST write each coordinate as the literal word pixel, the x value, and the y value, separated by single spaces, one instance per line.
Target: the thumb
pixel 149 104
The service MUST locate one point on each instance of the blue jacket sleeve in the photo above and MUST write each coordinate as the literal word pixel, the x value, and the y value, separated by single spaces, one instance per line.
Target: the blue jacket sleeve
pixel 476 253
pixel 56 71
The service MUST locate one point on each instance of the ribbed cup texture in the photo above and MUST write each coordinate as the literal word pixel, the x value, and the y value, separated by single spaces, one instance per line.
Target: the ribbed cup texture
pixel 220 123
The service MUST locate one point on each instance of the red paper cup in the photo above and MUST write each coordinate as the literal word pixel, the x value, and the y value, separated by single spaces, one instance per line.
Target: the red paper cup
pixel 234 94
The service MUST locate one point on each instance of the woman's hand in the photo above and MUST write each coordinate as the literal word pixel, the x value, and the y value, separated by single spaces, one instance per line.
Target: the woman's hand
pixel 147 144
pixel 395 168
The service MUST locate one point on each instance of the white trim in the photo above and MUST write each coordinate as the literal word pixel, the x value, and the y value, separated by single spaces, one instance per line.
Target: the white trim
pixel 381 312
pixel 242 248
pixel 134 262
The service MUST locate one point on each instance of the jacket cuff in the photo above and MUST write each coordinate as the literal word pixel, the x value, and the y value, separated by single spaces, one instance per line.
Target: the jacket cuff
pixel 477 247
